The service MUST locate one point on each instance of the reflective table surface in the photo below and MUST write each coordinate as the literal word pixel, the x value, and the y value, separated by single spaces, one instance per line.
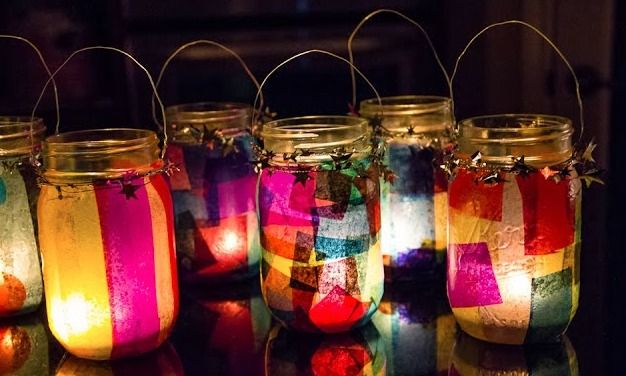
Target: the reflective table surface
pixel 228 331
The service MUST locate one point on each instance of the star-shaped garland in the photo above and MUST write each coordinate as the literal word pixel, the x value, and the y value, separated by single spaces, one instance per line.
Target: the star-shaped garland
pixel 125 182
pixel 302 177
pixel 11 165
pixel 580 165
pixel 129 189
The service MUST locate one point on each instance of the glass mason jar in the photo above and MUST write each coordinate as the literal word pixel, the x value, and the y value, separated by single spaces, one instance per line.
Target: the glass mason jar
pixel 217 235
pixel 514 229
pixel 21 287
pixel 320 219
pixel 473 357
pixel 414 204
pixel 106 230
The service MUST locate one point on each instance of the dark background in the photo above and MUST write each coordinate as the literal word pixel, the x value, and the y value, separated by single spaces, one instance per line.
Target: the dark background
pixel 509 70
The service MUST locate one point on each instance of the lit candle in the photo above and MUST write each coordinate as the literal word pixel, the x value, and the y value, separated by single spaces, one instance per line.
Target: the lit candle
pixel 414 131
pixel 214 192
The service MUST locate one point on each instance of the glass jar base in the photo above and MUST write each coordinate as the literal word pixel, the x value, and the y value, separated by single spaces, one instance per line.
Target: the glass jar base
pixel 513 336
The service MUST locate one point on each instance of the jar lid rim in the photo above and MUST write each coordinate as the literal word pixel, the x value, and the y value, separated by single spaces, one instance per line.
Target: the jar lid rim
pixel 332 120
pixel 405 104
pixel 207 111
pixel 82 137
pixel 12 120
pixel 547 121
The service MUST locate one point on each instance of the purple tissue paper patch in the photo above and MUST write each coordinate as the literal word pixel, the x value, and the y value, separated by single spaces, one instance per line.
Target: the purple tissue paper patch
pixel 474 283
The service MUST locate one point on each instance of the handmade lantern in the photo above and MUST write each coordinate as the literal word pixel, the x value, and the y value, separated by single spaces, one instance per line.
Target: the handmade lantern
pixel 417 328
pixel 214 192
pixel 356 353
pixel 223 329
pixel 163 362
pixel 106 230
pixel 514 228
pixel 473 357
pixel 320 218
pixel 21 287
pixel 23 347
pixel 414 131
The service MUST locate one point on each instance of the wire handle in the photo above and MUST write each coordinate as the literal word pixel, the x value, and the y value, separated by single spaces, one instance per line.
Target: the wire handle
pixel 554 47
pixel 54 85
pixel 194 43
pixel 323 52
pixel 154 90
pixel 406 18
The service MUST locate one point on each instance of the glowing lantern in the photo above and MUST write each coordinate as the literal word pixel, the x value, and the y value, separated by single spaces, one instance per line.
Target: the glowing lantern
pixel 214 192
pixel 514 229
pixel 23 348
pixel 417 329
pixel 21 287
pixel 347 354
pixel 106 231
pixel 224 329
pixel 319 211
pixel 473 357
pixel 414 202
pixel 163 362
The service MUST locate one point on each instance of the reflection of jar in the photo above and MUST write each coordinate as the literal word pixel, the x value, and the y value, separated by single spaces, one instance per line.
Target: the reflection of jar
pixel 320 217
pixel 417 328
pixel 473 357
pixel 223 331
pixel 414 205
pixel 514 229
pixel 106 231
pixel 359 352
pixel 214 192
pixel 164 361
pixel 21 288
pixel 23 347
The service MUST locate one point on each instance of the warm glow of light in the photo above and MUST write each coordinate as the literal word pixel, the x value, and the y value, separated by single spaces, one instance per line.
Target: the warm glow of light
pixel 7 341
pixel 518 285
pixel 230 241
pixel 75 316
